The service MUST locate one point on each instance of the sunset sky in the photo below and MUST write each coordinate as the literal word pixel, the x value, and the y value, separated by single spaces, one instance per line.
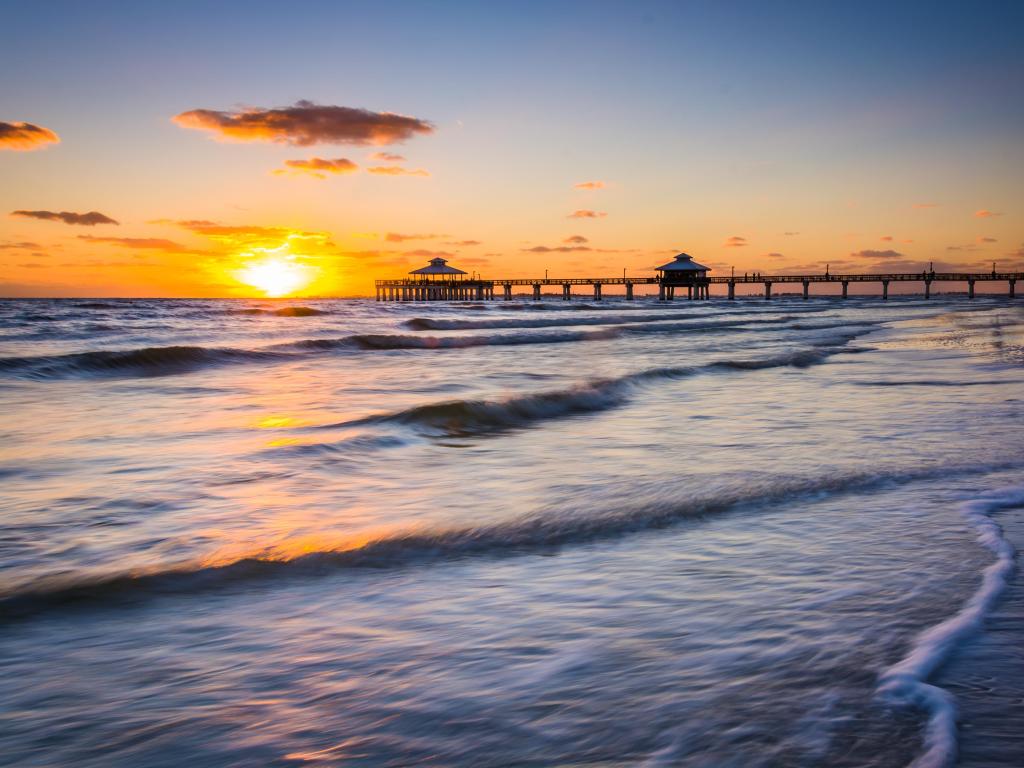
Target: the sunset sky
pixel 235 149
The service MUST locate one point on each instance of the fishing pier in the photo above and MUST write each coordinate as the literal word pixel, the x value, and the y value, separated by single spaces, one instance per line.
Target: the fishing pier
pixel 440 282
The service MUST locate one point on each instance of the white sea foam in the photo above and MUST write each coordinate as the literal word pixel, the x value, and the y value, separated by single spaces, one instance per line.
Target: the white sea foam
pixel 905 682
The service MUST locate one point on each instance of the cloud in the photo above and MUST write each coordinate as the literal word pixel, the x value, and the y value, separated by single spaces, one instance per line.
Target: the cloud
pixel 137 242
pixel 25 137
pixel 557 249
pixel 886 238
pixel 387 157
pixel 317 167
pixel 424 253
pixel 84 219
pixel 22 246
pixel 790 234
pixel 925 205
pixel 465 243
pixel 590 185
pixel 585 214
pixel 396 170
pixel 396 237
pixel 869 254
pixel 983 214
pixel 735 242
pixel 306 124
pixel 576 240
pixel 987 240
pixel 774 255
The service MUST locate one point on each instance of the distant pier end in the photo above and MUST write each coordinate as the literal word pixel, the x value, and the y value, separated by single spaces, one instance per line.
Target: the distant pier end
pixel 438 281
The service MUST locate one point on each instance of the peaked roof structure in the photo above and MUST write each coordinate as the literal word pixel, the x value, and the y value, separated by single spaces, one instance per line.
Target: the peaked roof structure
pixel 682 263
pixel 437 266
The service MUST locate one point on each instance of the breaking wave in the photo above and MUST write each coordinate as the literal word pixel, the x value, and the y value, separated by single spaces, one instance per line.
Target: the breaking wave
pixel 905 682
pixel 149 361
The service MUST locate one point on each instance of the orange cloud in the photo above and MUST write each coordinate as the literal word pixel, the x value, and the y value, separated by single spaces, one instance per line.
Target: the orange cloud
pixel 886 238
pixel 306 124
pixel 24 137
pixel 585 214
pixel 387 157
pixel 396 170
pixel 987 240
pixel 735 242
pixel 317 167
pixel 26 246
pixel 790 234
pixel 590 185
pixel 137 242
pixel 557 249
pixel 465 243
pixel 576 240
pixel 983 214
pixel 890 254
pixel 396 237
pixel 89 219
pixel 424 253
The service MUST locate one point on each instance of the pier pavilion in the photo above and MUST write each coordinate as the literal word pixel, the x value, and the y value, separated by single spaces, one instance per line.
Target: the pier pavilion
pixel 683 272
pixel 435 282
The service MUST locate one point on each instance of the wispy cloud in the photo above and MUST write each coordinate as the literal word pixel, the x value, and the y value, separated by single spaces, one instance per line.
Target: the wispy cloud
pixel 735 242
pixel 576 240
pixel 25 137
pixel 557 249
pixel 89 219
pixel 427 254
pixel 886 238
pixel 586 214
pixel 790 234
pixel 396 170
pixel 387 157
pixel 870 254
pixel 318 167
pixel 22 246
pixel 155 243
pixel 398 237
pixel 987 240
pixel 305 124
pixel 465 243
pixel 590 185
pixel 984 214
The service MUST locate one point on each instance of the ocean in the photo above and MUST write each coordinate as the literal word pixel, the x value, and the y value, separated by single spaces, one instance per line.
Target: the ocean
pixel 348 533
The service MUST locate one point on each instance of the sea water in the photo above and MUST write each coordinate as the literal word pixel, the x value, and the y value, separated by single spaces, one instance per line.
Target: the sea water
pixel 344 533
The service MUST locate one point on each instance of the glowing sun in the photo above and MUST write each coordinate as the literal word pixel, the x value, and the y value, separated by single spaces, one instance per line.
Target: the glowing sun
pixel 275 276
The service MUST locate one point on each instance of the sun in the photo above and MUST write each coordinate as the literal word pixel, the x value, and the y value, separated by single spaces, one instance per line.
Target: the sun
pixel 275 276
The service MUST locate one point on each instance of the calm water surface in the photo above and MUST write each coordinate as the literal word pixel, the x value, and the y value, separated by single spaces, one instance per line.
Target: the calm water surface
pixel 344 533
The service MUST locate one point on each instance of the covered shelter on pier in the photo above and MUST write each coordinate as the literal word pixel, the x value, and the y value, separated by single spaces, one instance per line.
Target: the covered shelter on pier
pixel 683 271
pixel 438 269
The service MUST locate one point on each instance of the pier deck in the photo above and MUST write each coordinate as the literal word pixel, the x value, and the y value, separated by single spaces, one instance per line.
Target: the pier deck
pixel 407 289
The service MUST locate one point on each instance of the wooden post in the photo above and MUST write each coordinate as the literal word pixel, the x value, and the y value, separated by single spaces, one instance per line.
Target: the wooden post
pixel 970 289
pixel 732 289
pixel 927 287
pixel 566 292
pixel 807 288
pixel 885 290
pixel 661 292
pixel 629 291
pixel 767 290
pixel 846 289
pixel 536 291
pixel 1013 284
pixel 597 291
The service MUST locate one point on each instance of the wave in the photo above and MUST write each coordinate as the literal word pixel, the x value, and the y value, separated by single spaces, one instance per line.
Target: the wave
pixel 282 312
pixel 461 418
pixel 536 532
pixel 905 682
pixel 401 341
pixel 149 361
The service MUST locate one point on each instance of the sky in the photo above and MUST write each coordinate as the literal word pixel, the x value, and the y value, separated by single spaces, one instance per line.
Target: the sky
pixel 193 149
